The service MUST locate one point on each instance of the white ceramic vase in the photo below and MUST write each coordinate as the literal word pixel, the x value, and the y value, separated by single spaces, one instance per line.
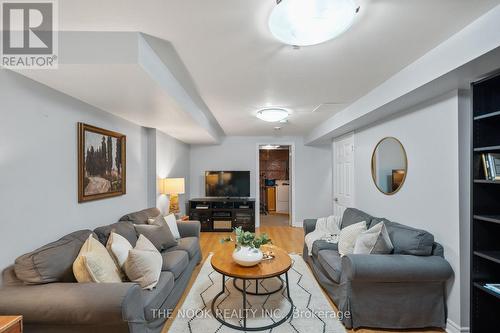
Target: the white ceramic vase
pixel 247 256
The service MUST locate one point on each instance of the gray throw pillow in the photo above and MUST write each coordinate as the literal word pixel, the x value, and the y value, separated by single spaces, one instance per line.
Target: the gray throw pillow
pixel 122 228
pixel 159 235
pixel 374 241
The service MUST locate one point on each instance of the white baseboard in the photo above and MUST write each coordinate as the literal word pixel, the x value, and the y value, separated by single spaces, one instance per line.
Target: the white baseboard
pixel 297 224
pixel 452 327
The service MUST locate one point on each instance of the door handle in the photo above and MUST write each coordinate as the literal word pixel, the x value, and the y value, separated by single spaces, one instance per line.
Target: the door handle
pixel 336 199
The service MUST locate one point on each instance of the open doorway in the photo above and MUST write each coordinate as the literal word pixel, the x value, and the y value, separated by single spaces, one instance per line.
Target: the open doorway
pixel 275 185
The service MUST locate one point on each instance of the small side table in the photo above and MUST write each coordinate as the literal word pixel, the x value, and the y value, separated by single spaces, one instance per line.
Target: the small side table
pixel 11 324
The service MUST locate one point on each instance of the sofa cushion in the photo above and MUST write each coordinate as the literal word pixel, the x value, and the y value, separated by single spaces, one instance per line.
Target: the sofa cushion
pixel 154 299
pixel 322 244
pixel 125 229
pixel 175 262
pixel 9 277
pixel 52 262
pixel 159 235
pixel 331 262
pixel 189 244
pixel 74 307
pixel 142 216
pixel 352 216
pixel 408 240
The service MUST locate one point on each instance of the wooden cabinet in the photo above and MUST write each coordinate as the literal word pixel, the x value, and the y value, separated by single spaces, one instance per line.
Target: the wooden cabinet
pixel 271 198
pixel 11 324
pixel 223 214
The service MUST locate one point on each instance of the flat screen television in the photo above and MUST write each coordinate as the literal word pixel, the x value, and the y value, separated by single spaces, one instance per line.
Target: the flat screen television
pixel 228 184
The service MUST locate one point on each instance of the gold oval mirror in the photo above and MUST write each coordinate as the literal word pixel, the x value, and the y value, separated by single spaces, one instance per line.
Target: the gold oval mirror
pixel 389 165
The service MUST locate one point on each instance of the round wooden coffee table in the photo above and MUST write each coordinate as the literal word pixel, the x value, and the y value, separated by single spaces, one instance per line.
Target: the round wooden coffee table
pixel 222 262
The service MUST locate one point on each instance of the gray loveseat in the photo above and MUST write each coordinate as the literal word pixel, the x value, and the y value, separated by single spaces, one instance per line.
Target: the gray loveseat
pixel 405 289
pixel 51 300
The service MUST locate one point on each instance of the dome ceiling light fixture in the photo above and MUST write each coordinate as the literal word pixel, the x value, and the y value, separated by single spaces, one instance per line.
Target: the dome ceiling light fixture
pixel 311 22
pixel 272 115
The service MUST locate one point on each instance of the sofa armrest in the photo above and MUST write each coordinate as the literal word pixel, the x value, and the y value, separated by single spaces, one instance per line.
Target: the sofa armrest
pixel 74 303
pixel 309 225
pixel 189 228
pixel 394 268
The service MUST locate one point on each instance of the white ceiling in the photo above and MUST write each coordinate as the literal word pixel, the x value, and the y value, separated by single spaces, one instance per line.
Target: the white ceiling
pixel 134 76
pixel 127 91
pixel 238 67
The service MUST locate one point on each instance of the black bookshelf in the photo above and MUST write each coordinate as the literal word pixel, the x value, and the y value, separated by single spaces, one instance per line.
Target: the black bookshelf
pixel 223 214
pixel 485 196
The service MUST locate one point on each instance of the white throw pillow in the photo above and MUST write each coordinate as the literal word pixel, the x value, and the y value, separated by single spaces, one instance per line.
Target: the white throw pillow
pixel 144 264
pixel 374 241
pixel 94 264
pixel 101 268
pixel 119 247
pixel 348 236
pixel 172 224
pixel 170 220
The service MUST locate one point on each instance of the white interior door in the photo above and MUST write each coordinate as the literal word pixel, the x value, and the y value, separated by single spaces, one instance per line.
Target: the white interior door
pixel 343 174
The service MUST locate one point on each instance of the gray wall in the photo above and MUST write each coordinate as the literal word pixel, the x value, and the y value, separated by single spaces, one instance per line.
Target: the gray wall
pixel 38 166
pixel 431 197
pixel 172 161
pixel 313 172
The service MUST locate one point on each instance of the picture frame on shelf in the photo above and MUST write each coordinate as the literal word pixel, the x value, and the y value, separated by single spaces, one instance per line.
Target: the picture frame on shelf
pixel 494 166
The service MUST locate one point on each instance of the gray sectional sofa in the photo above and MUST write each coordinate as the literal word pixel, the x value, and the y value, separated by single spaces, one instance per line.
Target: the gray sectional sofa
pixel 405 289
pixel 50 299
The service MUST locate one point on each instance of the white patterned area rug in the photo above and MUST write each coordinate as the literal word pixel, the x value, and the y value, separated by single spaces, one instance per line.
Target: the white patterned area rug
pixel 312 312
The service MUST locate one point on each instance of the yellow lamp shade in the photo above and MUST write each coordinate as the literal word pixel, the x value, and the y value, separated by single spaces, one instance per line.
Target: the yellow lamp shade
pixel 172 186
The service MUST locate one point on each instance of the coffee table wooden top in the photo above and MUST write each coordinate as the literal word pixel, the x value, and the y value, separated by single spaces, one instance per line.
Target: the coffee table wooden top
pixel 222 261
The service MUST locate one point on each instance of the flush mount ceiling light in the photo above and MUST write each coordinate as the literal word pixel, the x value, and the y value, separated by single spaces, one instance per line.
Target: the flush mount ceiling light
pixel 310 22
pixel 272 115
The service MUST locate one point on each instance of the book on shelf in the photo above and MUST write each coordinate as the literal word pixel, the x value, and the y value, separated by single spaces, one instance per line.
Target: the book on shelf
pixel 491 166
pixel 493 287
pixel 486 166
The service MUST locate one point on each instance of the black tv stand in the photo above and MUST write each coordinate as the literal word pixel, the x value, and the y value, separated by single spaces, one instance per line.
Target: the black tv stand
pixel 223 214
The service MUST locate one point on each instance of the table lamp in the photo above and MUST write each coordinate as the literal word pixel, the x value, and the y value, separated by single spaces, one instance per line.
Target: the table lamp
pixel 173 187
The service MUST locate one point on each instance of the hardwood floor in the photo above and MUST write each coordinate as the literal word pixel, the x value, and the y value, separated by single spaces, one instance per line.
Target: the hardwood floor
pixel 288 238
pixel 274 220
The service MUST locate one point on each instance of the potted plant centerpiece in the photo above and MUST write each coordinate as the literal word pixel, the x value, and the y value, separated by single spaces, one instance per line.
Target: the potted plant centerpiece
pixel 247 252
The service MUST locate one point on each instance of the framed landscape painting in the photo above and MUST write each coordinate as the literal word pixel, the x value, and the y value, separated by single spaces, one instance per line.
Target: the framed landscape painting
pixel 101 163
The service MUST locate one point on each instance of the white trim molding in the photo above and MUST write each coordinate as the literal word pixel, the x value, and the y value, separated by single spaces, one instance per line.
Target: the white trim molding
pixel 291 176
pixel 452 327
